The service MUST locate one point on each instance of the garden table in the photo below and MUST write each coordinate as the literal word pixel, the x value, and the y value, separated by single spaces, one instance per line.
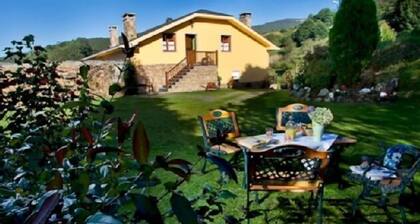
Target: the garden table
pixel 332 144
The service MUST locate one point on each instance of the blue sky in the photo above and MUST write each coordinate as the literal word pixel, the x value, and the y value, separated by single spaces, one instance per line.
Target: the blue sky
pixel 52 21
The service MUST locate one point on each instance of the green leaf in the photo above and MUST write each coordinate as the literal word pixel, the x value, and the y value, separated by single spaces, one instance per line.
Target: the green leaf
pixel 147 209
pixel 114 88
pixel 84 70
pixel 182 209
pixel 141 145
pixel 101 218
pixel 224 167
pixel 56 182
pixel 79 182
pixel 107 106
pixel 225 194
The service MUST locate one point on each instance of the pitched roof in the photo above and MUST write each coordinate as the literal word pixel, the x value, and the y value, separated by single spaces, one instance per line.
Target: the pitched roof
pixel 200 11
pixel 172 23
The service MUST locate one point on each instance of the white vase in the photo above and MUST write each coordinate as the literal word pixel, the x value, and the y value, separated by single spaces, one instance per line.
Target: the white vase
pixel 318 131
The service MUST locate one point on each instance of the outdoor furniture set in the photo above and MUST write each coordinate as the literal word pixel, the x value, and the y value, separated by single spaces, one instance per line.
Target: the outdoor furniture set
pixel 299 161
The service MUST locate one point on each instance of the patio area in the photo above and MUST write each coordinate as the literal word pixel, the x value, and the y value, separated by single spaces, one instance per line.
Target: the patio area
pixel 370 124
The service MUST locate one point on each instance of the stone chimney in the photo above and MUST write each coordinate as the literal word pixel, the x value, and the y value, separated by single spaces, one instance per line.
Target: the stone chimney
pixel 129 21
pixel 113 36
pixel 246 18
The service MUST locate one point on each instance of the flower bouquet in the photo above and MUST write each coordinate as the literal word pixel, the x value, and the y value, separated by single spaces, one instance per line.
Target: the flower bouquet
pixel 320 117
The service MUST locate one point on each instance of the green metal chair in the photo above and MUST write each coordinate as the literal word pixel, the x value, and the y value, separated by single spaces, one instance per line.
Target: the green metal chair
pixel 401 162
pixel 286 169
pixel 219 129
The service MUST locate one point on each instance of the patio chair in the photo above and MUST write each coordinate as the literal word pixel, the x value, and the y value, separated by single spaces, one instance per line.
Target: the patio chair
pixel 287 169
pixel 219 129
pixel 298 112
pixel 389 176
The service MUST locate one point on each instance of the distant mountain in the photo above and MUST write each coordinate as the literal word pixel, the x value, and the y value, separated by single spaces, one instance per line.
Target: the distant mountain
pixel 76 49
pixel 277 25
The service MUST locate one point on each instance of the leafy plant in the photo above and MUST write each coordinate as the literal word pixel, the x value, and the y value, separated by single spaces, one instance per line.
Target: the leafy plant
pixel 316 69
pixel 83 173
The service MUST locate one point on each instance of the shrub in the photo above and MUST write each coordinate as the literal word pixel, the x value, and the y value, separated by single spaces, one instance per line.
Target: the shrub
pixel 388 35
pixel 317 68
pixel 405 15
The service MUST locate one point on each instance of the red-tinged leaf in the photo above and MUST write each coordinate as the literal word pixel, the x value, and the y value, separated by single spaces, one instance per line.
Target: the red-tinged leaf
pixel 87 135
pixel 73 136
pixel 48 205
pixel 93 151
pixel 124 128
pixel 141 145
pixel 180 167
pixel 60 154
pixel 46 149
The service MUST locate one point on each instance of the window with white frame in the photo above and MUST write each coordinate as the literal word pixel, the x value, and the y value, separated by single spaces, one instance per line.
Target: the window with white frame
pixel 168 42
pixel 225 43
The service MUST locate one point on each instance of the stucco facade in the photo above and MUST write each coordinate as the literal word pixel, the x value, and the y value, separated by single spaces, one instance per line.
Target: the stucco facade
pixel 248 53
pixel 245 51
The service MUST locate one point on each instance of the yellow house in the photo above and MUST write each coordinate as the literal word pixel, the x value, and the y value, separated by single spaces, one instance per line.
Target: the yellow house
pixel 187 53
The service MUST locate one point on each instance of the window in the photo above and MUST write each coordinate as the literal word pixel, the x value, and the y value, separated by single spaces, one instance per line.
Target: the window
pixel 168 42
pixel 225 43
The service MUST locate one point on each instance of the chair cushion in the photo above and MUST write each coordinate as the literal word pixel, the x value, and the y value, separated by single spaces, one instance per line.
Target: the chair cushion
pixel 287 186
pixel 393 156
pixel 225 148
pixel 375 173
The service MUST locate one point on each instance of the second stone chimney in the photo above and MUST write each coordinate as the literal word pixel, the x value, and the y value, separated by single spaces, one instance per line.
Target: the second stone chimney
pixel 113 36
pixel 246 18
pixel 129 20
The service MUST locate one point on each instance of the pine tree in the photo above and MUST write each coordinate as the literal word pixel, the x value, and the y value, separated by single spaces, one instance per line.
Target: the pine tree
pixel 353 38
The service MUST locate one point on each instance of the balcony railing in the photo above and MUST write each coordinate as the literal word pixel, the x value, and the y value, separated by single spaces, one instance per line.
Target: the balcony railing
pixel 202 58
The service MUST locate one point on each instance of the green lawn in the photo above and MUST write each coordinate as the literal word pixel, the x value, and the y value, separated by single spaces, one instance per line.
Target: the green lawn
pixel 171 122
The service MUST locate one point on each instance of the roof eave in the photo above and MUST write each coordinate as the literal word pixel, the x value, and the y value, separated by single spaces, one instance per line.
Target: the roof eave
pixel 103 53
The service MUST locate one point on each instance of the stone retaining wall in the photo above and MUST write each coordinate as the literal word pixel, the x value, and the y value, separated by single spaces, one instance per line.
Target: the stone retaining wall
pixel 103 73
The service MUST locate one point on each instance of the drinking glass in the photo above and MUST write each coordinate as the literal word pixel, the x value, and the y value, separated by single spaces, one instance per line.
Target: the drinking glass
pixel 269 134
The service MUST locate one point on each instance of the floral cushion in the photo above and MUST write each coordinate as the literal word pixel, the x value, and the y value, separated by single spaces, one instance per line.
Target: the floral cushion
pixel 393 156
pixel 375 173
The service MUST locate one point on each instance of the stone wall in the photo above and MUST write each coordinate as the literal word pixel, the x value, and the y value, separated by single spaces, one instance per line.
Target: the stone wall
pixel 101 75
pixel 154 75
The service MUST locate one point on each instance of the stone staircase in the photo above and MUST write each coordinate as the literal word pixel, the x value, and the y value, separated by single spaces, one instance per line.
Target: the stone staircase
pixel 192 79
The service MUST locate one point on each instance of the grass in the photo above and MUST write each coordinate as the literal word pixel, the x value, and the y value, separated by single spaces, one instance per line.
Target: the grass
pixel 172 127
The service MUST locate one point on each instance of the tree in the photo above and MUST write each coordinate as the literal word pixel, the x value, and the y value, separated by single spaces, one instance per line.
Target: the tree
pixel 326 16
pixel 315 27
pixel 310 29
pixel 353 38
pixel 405 15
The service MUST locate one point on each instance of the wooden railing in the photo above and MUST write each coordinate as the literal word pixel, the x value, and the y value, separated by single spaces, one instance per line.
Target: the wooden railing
pixel 193 58
pixel 174 71
pixel 202 57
